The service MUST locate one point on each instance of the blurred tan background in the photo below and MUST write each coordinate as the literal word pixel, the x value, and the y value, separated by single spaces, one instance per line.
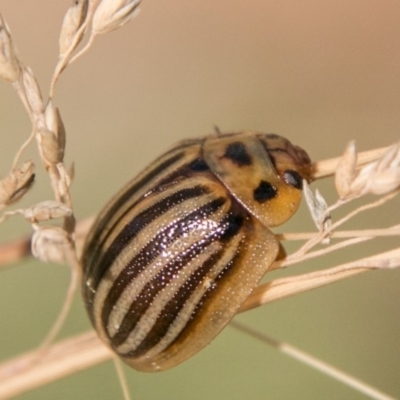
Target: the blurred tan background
pixel 320 73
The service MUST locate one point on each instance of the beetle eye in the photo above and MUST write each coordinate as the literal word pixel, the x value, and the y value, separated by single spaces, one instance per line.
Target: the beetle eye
pixel 293 178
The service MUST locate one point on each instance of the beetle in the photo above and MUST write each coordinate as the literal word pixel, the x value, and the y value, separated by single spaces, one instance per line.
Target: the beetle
pixel 174 255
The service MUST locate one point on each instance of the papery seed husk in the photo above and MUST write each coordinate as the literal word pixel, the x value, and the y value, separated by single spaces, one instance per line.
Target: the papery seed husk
pixel 48 244
pixel 317 206
pixel 50 116
pixel 50 148
pixel 390 158
pixel 385 182
pixel 112 14
pixel 7 71
pixel 345 170
pixel 16 184
pixel 396 161
pixel 61 135
pixel 10 66
pixel 7 189
pixel 361 183
pixel 55 124
pixel 25 175
pixel 73 20
pixel 324 219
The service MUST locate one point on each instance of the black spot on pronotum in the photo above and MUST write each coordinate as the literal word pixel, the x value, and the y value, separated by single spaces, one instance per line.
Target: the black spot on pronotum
pixel 237 153
pixel 273 136
pixel 293 178
pixel 264 192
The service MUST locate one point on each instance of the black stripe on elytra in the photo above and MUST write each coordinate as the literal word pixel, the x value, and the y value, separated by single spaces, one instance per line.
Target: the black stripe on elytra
pixel 172 309
pixel 227 229
pixel 188 170
pixel 95 248
pixel 133 228
pixel 153 249
pixel 147 296
pixel 198 165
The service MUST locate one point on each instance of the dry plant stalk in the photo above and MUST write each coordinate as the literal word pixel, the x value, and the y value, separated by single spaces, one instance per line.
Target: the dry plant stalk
pixel 49 243
pixel 52 243
pixel 374 172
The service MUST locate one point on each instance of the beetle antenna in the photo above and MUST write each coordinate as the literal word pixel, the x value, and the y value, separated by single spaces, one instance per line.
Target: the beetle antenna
pixel 217 130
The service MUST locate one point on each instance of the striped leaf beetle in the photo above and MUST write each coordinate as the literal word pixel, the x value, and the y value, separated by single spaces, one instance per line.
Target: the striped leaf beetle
pixel 174 255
